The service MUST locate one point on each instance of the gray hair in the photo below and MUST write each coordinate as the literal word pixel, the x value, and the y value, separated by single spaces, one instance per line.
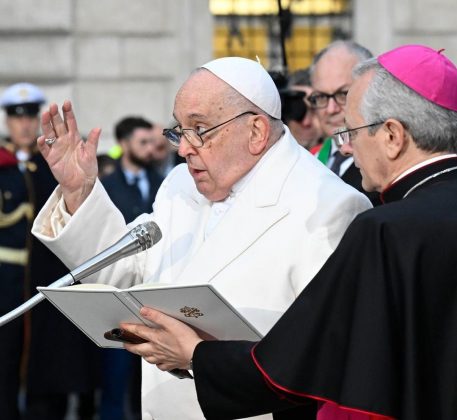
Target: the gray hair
pixel 352 47
pixel 432 127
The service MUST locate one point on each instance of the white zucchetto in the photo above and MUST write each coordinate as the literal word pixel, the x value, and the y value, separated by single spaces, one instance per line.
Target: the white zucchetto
pixel 250 79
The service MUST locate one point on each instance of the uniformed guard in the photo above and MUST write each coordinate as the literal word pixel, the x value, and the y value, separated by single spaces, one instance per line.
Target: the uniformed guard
pixel 35 347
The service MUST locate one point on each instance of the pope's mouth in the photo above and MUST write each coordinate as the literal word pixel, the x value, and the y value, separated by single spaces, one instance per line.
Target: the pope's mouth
pixel 195 171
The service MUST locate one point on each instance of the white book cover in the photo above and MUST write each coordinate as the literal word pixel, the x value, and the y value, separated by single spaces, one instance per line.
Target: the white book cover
pixel 98 308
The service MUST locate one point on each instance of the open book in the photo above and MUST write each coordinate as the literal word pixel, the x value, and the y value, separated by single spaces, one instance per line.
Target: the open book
pixel 98 308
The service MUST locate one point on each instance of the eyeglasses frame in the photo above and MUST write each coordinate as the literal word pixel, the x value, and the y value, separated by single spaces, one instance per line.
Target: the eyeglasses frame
pixel 179 135
pixel 328 96
pixel 343 130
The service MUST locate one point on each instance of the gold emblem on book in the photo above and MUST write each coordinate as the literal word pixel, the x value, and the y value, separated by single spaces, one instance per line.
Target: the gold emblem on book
pixel 191 312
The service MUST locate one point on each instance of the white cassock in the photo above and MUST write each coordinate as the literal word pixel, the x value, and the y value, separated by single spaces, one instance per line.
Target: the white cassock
pixel 282 224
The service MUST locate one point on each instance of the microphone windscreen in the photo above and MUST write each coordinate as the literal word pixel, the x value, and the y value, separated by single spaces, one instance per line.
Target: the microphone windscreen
pixel 154 231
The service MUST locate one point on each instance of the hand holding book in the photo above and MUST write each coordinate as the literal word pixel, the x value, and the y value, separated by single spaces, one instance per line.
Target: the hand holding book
pixel 124 336
pixel 169 344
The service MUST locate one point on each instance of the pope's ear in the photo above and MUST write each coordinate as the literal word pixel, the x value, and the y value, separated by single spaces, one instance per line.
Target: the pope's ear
pixel 396 138
pixel 260 132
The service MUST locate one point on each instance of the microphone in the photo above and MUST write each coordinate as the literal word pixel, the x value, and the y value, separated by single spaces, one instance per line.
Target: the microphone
pixel 140 238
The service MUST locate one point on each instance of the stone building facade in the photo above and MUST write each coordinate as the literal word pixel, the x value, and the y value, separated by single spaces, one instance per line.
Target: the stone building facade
pixel 385 24
pixel 118 57
pixel 112 58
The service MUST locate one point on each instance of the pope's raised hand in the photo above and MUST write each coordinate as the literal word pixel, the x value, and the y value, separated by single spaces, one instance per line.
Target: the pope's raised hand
pixel 72 160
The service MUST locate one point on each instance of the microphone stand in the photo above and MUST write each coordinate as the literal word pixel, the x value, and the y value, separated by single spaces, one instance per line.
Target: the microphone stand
pixel 67 280
pixel 138 239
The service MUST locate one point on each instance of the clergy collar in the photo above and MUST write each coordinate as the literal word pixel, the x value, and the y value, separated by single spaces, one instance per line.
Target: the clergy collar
pixel 412 178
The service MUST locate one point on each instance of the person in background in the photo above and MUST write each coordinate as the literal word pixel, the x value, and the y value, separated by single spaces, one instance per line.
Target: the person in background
pixel 132 186
pixel 35 349
pixel 106 165
pixel 307 131
pixel 165 155
pixel 331 78
pixel 134 183
pixel 293 108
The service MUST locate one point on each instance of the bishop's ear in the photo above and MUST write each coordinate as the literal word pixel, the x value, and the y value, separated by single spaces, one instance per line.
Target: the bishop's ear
pixel 396 138
pixel 259 134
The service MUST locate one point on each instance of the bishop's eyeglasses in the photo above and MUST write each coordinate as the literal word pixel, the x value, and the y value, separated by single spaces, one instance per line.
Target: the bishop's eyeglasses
pixel 344 135
pixel 194 137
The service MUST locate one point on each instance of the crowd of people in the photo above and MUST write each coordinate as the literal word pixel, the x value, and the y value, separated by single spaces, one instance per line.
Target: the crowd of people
pixel 314 203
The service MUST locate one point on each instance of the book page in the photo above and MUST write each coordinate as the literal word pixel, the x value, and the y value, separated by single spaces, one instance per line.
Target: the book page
pixel 85 286
pixel 201 307
pixel 94 312
pixel 147 286
pixel 97 308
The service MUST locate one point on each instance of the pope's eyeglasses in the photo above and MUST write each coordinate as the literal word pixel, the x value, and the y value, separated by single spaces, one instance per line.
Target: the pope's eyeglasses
pixel 194 137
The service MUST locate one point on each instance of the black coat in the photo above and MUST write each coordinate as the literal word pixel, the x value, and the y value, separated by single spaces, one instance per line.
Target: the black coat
pixel 374 331
pixel 125 197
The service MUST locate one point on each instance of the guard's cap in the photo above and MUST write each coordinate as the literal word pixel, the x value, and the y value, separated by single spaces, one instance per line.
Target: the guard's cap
pixel 250 79
pixel 426 71
pixel 22 99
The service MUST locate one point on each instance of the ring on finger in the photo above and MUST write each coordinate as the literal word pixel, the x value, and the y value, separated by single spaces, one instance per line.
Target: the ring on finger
pixel 50 141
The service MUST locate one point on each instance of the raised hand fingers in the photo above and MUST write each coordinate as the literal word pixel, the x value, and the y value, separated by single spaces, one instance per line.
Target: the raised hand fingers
pixel 93 137
pixel 46 125
pixel 56 120
pixel 69 117
pixel 42 146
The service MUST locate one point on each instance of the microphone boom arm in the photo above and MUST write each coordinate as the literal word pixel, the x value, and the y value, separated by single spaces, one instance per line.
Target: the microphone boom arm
pixel 138 239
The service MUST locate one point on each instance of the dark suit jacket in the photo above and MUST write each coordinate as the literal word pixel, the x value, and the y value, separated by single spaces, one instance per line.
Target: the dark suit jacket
pixel 126 197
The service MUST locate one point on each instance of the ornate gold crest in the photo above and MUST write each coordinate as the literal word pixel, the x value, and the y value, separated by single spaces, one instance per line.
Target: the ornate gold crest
pixel 191 312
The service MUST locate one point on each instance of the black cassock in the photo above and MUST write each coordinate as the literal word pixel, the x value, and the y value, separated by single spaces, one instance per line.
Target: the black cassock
pixel 376 329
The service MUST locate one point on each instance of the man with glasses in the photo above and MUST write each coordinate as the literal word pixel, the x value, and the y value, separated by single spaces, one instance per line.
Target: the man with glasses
pixel 331 78
pixel 248 212
pixel 373 336
pixel 297 113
